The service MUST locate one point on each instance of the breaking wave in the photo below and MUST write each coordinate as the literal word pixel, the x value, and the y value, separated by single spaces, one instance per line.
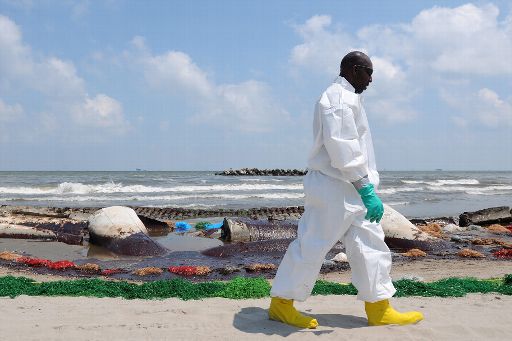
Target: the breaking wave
pixel 107 188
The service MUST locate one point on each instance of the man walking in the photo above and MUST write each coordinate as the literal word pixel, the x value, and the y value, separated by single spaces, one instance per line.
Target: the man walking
pixel 340 204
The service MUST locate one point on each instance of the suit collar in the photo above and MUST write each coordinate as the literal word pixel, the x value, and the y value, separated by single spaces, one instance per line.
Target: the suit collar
pixel 345 84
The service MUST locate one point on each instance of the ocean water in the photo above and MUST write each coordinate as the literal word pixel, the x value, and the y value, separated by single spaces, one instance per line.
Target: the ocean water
pixel 414 194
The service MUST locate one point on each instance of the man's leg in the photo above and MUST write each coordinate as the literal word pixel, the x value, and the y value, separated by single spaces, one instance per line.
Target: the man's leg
pixel 324 221
pixel 370 260
pixel 303 259
pixel 370 263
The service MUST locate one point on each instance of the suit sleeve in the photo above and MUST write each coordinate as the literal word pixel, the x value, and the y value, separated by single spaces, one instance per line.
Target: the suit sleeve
pixel 341 141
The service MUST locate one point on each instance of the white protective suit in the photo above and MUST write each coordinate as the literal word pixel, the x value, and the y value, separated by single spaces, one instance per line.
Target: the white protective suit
pixel 342 153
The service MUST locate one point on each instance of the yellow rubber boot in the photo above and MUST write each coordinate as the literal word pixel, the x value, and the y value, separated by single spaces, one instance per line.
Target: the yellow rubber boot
pixel 381 313
pixel 282 310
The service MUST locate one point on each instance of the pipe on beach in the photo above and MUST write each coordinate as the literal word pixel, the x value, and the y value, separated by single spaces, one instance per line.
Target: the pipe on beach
pixel 251 230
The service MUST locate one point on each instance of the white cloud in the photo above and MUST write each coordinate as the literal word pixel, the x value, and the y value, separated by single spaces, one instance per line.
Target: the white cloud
pixel 101 111
pixel 439 46
pixel 139 43
pixel 386 69
pixel 463 40
pixel 57 80
pixel 492 110
pixel 466 39
pixel 392 110
pixel 15 60
pixel 10 113
pixel 176 68
pixel 321 52
pixel 248 106
pixel 391 94
pixel 484 107
pixel 321 46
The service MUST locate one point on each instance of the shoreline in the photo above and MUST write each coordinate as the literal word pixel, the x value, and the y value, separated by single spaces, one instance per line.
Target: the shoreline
pixel 226 260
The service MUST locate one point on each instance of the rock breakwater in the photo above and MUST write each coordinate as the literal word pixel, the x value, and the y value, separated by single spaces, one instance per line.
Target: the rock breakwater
pixel 262 172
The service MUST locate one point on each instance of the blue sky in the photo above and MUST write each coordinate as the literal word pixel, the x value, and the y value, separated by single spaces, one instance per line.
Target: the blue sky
pixel 199 85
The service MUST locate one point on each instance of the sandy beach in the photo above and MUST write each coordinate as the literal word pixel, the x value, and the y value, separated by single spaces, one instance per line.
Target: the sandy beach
pixel 473 317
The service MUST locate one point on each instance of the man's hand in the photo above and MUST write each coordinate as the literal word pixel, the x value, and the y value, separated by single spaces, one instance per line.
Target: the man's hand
pixel 373 204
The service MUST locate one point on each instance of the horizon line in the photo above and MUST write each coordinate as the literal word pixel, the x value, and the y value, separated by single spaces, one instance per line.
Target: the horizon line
pixel 220 170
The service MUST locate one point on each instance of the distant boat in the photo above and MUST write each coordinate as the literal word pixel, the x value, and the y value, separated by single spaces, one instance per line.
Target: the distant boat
pixel 439 169
pixel 139 170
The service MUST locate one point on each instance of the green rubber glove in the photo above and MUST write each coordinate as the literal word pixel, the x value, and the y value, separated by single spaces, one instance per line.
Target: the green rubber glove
pixel 373 204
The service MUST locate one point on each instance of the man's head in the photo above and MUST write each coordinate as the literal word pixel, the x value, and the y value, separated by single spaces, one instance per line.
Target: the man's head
pixel 357 69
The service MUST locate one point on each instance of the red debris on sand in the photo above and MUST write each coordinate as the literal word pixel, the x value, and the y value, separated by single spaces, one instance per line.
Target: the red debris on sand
pixel 33 261
pixel 509 227
pixel 503 253
pixel 183 270
pixel 61 265
pixel 39 262
pixel 190 270
pixel 108 272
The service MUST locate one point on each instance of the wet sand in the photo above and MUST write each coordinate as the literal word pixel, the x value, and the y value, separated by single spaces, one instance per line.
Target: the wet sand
pixel 429 270
pixel 54 250
pixel 425 269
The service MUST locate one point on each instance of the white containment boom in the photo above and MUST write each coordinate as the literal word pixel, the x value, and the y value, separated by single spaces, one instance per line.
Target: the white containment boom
pixel 401 233
pixel 120 230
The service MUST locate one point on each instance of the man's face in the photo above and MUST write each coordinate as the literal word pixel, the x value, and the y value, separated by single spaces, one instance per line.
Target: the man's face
pixel 362 76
